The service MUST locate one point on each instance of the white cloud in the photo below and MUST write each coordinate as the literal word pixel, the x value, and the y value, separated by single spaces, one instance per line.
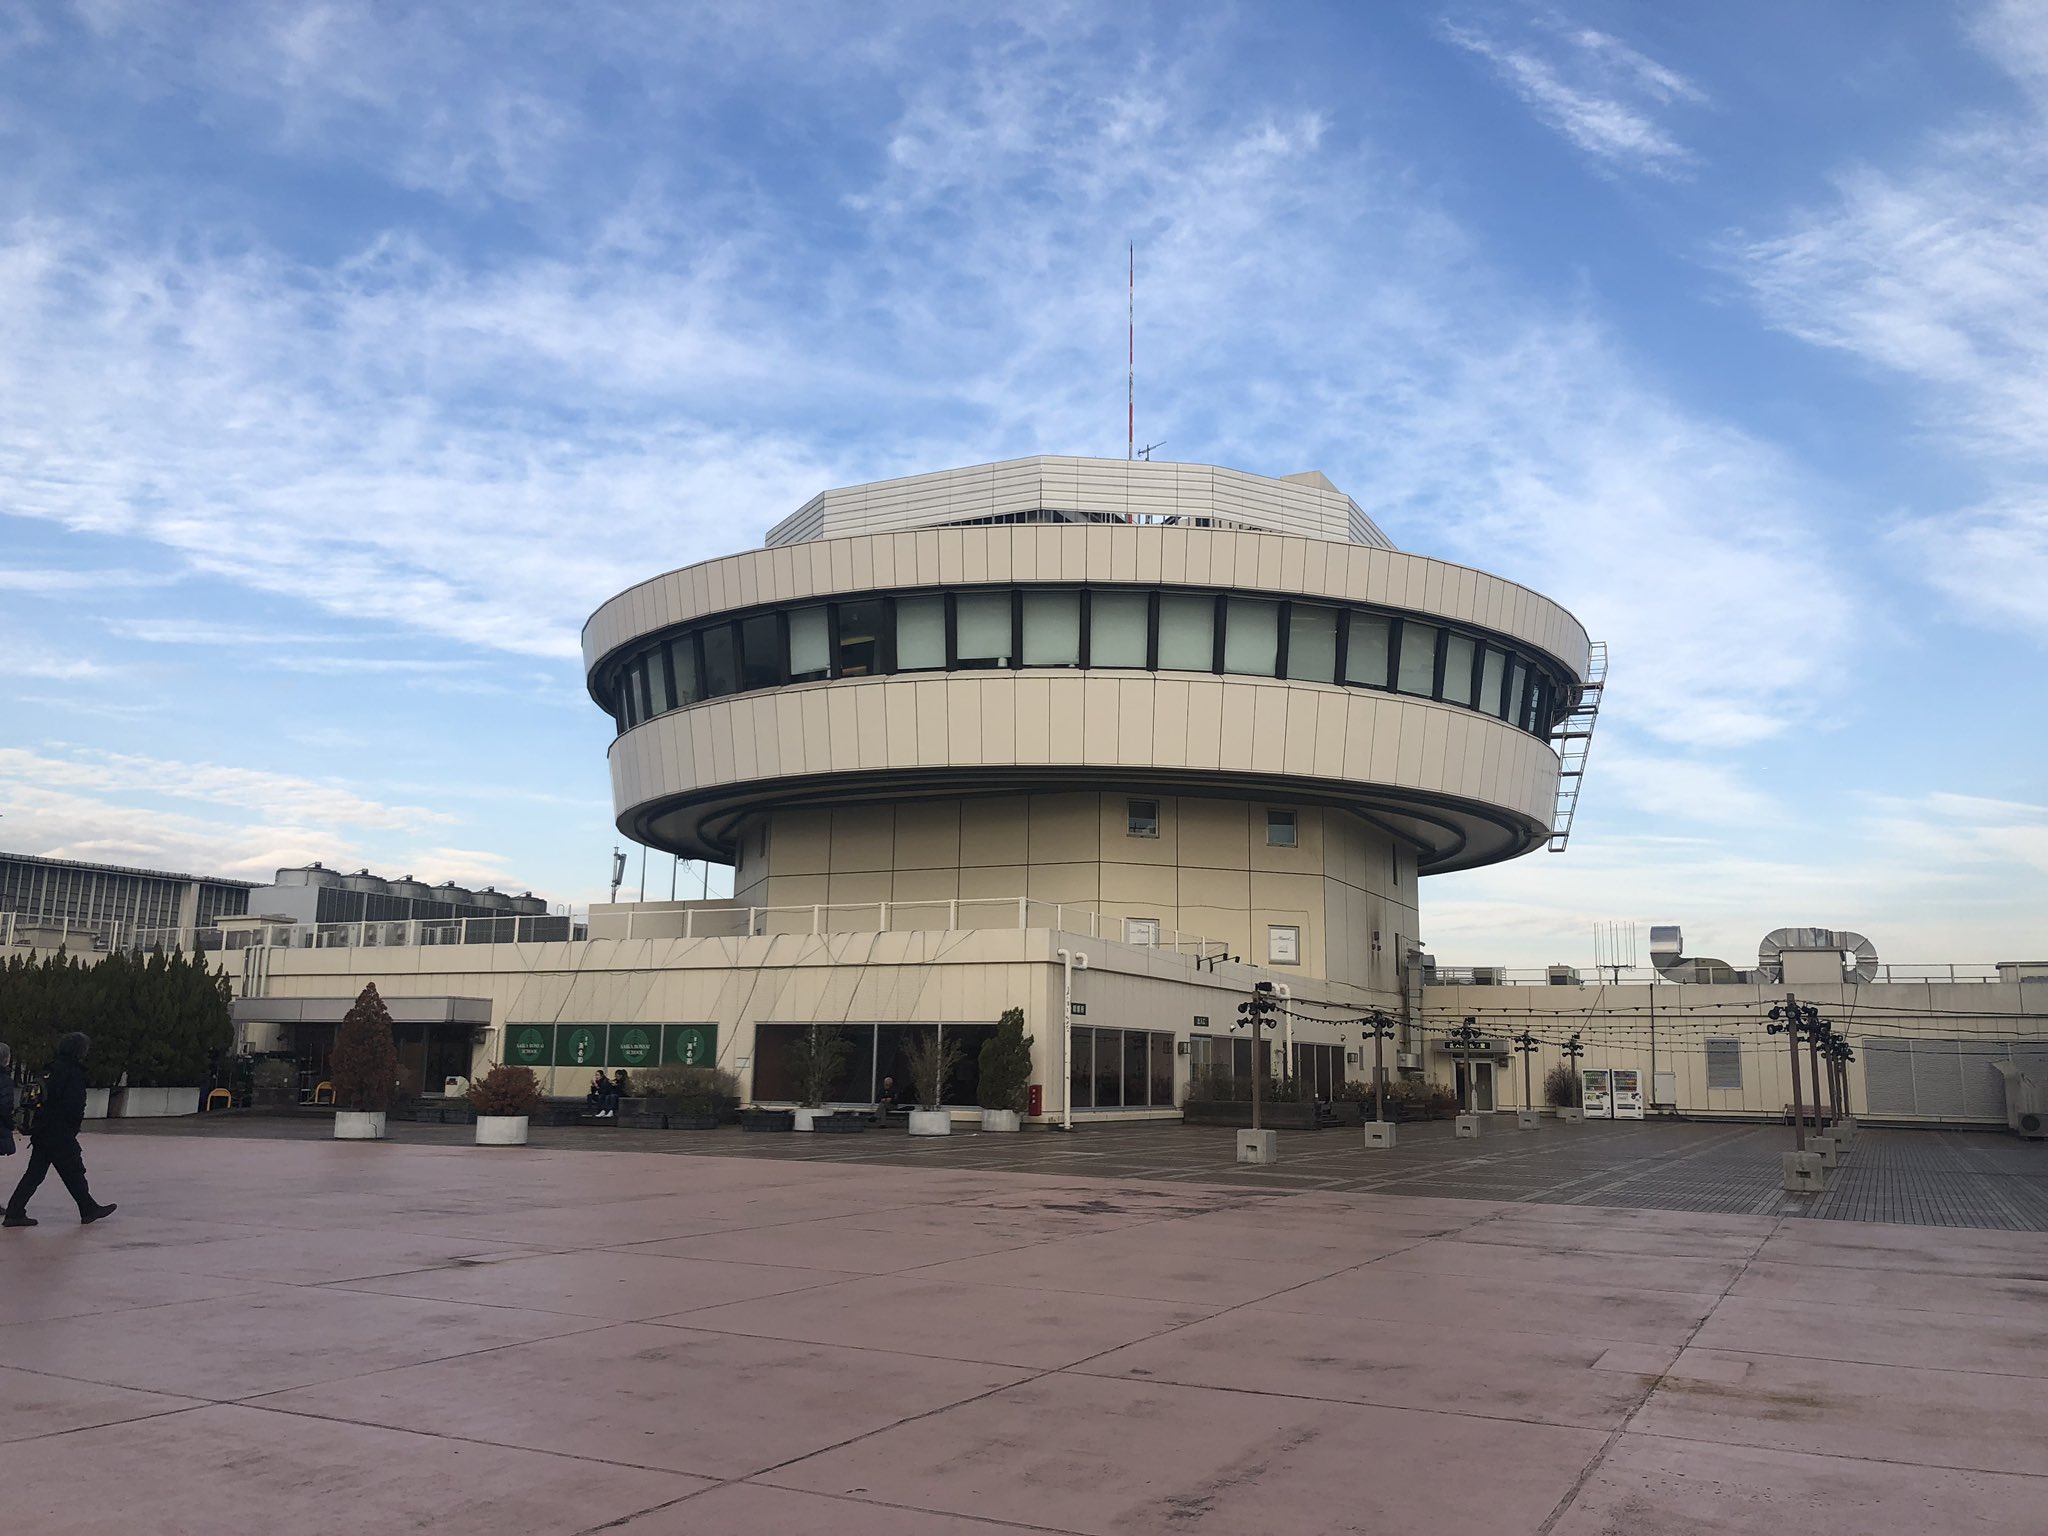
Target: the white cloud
pixel 1935 272
pixel 1583 88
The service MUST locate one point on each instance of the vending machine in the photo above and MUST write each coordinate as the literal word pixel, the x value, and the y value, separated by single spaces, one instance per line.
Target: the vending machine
pixel 1627 1096
pixel 1597 1092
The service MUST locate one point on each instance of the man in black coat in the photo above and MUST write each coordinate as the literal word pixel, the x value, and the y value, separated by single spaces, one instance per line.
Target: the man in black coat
pixel 53 1139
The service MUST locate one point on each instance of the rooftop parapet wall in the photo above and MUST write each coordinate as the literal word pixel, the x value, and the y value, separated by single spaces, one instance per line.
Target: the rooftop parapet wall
pixel 1141 491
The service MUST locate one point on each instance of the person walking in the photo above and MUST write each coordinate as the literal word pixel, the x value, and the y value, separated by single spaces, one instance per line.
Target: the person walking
pixel 53 1139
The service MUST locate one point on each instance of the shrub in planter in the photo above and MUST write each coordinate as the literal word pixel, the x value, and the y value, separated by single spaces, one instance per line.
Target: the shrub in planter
pixel 1006 1072
pixel 505 1091
pixel 932 1064
pixel 364 1067
pixel 1561 1087
pixel 817 1060
pixel 702 1095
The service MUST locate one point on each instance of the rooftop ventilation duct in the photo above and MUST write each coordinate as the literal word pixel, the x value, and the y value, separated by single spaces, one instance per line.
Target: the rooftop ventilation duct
pixel 1859 954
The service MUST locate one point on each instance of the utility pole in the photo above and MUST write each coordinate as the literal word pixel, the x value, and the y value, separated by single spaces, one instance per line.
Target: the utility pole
pixel 1814 1030
pixel 1785 1021
pixel 1381 1028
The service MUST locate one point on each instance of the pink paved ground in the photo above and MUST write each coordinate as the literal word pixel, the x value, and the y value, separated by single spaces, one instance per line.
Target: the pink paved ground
pixel 288 1336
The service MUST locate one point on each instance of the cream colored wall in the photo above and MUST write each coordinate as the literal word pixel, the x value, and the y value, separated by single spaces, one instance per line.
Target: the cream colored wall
pixel 958 977
pixel 1210 872
pixel 1615 1023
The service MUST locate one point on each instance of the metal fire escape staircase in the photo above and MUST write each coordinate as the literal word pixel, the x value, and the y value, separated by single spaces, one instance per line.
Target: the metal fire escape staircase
pixel 1573 739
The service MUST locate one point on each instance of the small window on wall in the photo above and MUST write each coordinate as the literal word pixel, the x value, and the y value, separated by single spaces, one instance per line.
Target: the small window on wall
pixel 982 630
pixel 1459 651
pixel 1418 658
pixel 1142 930
pixel 660 697
pixel 920 634
pixel 1518 684
pixel 860 638
pixel 682 658
pixel 1724 1064
pixel 1117 626
pixel 810 645
pixel 1312 643
pixel 721 662
pixel 1366 653
pixel 1251 637
pixel 1187 633
pixel 760 652
pixel 1283 944
pixel 1492 678
pixel 1052 629
pixel 1142 818
pixel 1280 829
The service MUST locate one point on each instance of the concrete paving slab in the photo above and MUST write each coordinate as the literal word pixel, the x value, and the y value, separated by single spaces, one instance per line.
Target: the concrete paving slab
pixel 1131 1264
pixel 226 1468
pixel 32 1405
pixel 858 1244
pixel 1832 1408
pixel 1565 1265
pixel 44 1292
pixel 1876 1335
pixel 619 1285
pixel 313 1258
pixel 264 1341
pixel 712 1404
pixel 1602 1311
pixel 1536 1378
pixel 749 1509
pixel 1599 1232
pixel 1646 1486
pixel 1930 1250
pixel 1833 1285
pixel 1119 1458
pixel 1001 1325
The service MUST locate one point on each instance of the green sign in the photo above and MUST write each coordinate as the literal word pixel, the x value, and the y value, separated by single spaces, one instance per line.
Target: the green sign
pixel 633 1045
pixel 579 1045
pixel 529 1045
pixel 689 1045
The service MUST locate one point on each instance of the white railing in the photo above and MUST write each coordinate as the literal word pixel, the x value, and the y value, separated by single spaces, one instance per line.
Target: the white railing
pixel 1643 975
pixel 717 921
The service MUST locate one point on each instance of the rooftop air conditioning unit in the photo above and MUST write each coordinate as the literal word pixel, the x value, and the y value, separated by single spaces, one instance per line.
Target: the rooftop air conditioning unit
pixel 1408 1059
pixel 1562 976
pixel 1485 975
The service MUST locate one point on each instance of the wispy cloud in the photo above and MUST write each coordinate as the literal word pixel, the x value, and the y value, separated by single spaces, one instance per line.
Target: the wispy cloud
pixel 1592 88
pixel 1935 272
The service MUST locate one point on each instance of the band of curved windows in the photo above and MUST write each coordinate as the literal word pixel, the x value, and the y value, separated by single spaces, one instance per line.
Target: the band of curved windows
pixel 988 628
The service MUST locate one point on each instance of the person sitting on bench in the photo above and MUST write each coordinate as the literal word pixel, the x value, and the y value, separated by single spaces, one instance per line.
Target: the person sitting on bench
pixel 890 1102
pixel 622 1087
pixel 603 1097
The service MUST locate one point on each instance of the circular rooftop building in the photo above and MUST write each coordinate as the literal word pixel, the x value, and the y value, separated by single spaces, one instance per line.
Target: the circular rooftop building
pixel 1181 695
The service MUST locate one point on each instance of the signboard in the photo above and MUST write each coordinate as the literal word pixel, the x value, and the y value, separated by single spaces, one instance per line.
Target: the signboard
pixel 633 1045
pixel 1628 1093
pixel 580 1045
pixel 529 1045
pixel 689 1045
pixel 1599 1092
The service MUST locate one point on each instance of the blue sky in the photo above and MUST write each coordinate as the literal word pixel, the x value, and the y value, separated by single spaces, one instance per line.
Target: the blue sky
pixel 350 357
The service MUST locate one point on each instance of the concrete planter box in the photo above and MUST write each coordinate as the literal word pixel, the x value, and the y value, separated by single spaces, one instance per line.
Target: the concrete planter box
pixel 154 1103
pixel 840 1125
pixel 767 1119
pixel 931 1122
pixel 807 1119
pixel 96 1103
pixel 501 1130
pixel 359 1125
pixel 1001 1120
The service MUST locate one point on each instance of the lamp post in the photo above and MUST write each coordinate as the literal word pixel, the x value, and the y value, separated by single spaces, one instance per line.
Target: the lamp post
pixel 1525 1042
pixel 1253 1011
pixel 1464 1041
pixel 1572 1050
pixel 1381 1028
pixel 1785 1020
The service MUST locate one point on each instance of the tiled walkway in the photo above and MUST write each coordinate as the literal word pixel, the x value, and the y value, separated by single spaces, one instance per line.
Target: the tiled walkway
pixel 292 1335
pixel 1918 1177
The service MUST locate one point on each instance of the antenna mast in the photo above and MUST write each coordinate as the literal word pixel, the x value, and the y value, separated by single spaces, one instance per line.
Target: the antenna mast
pixel 1131 322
